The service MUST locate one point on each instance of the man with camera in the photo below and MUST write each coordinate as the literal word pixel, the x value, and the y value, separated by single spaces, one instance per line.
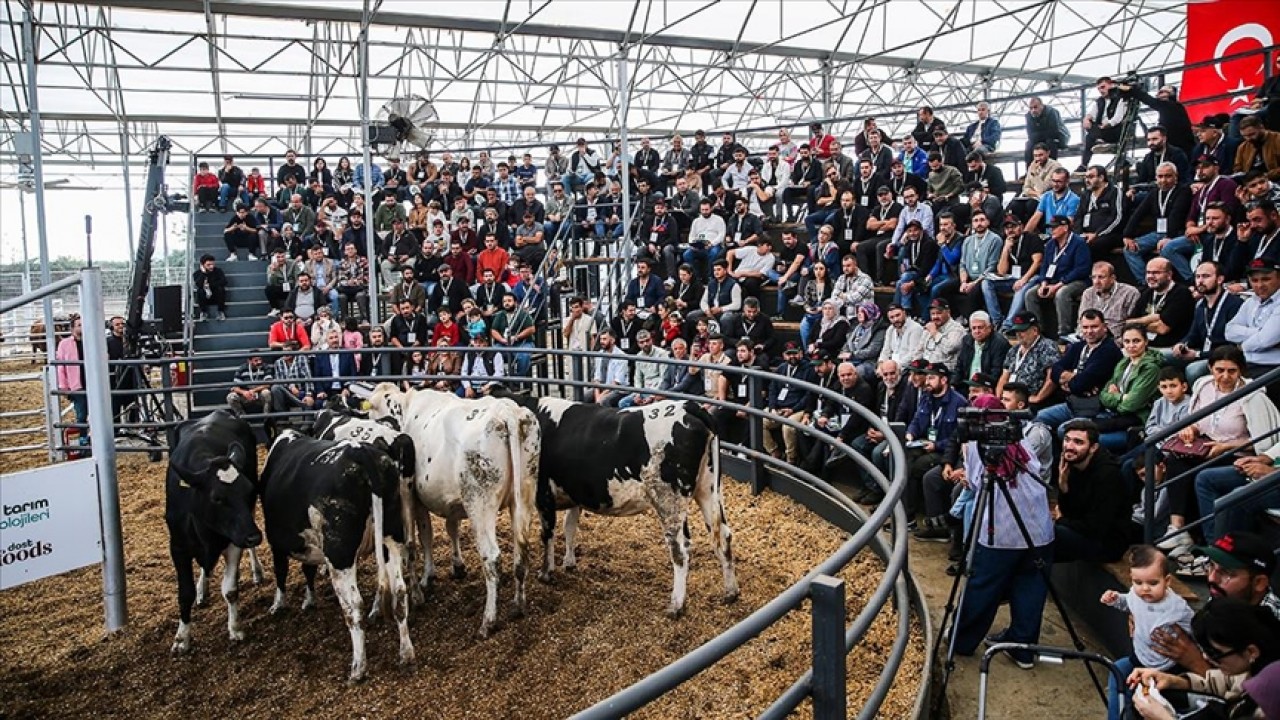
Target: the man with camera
pixel 1104 122
pixel 1006 563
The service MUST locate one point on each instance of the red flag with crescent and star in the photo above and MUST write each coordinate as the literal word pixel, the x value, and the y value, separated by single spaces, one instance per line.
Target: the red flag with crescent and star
pixel 1217 28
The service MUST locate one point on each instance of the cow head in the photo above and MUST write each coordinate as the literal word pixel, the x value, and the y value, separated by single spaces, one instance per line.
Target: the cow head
pixel 402 451
pixel 387 401
pixel 224 498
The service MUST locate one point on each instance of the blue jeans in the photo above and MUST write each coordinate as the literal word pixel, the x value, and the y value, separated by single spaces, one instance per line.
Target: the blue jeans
pixel 80 405
pixel 523 359
pixel 1054 416
pixel 907 299
pixel 1179 251
pixel 1215 483
pixel 1125 666
pixel 808 326
pixel 1138 260
pixel 224 194
pixel 551 229
pixel 1000 574
pixel 817 219
pixel 571 181
pixel 991 290
pixel 1019 302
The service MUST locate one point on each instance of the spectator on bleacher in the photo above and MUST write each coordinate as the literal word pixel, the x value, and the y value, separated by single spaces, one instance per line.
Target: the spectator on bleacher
pixel 1061 280
pixel 832 330
pixel 926 125
pixel 419 219
pixel 931 433
pixel 981 352
pixel 742 228
pixel 723 297
pixel 1256 326
pixel 1093 521
pixel 814 289
pixel 979 199
pixel 353 339
pixel 903 339
pixel 989 176
pixel 611 370
pixel 1099 215
pixel 288 329
pixel 466 236
pixel 1037 181
pixel 489 292
pixel 1164 307
pixel 1259 234
pixel 300 217
pixel 879 154
pixel 376 362
pixel 951 149
pixel 942 336
pixel 1163 213
pixel 648 375
pixel 557 211
pixel 1215 309
pixel 333 369
pixel 1228 435
pixel 787 400
pixel 356 232
pixel 853 287
pixel 1083 373
pixel 945 183
pixel 1030 361
pixel 483 367
pixel 820 142
pixel 492 257
pixel 580 328
pixel 408 288
pixel 527 204
pixel 792 262
pixel 824 199
pixel 753 326
pixel 241 232
pixel 1131 391
pixel 232 180
pixel 209 284
pixel 645 290
pixel 388 213
pixel 865 340
pixel 1044 127
pixel 506 187
pixel 375 178
pixel 848 221
pixel 1115 300
pixel 513 329
pixel 844 165
pixel 205 187
pixel 922 267
pixel 291 169
pixel 1021 256
pixel 344 182
pixel 292 243
pixel 324 237
pixel 915 160
pixel 1214 483
pixel 731 424
pixel 675 162
pixel 752 265
pixel 1259 149
pixel 1104 120
pixel 284 192
pixel 461 263
pixel 1213 141
pixel 979 256
pixel 1256 186
pixel 898 180
pixel 295 369
pixel 282 275
pixel 323 273
pixel 1060 199
pixel 865 185
pixel 268 221
pixel 474 189
pixel 983 135
pixel 687 292
pixel 407 330
pixel 734 175
pixel 252 390
pixel 582 166
pixel 1160 151
pixel 1172 405
pixel 445 330
pixel 320 327
pixel 255 184
pixel 763 188
pixel 1209 226
pixel 493 222
pixel 529 245
pixel 891 391
pixel 882 231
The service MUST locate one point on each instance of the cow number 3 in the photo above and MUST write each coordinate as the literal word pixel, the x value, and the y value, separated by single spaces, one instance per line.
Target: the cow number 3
pixel 654 413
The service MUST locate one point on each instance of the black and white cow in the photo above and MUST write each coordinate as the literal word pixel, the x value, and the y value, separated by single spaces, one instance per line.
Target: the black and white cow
pixel 210 490
pixel 623 462
pixel 475 457
pixel 318 498
pixel 340 422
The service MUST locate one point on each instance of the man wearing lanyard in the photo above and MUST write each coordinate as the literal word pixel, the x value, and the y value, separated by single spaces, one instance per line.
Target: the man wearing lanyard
pixel 1028 363
pixel 849 223
pixel 644 290
pixel 1164 210
pixel 930 434
pixel 912 210
pixel 1099 215
pixel 978 258
pixel 1261 231
pixel 1115 300
pixel 1060 200
pixel 1213 238
pixel 1061 279
pixel 789 400
pixel 1256 327
pixel 1165 307
pixel 1215 309
pixel 865 185
pixel 625 328
pixel 1020 259
pixel 1082 372
pixel 882 225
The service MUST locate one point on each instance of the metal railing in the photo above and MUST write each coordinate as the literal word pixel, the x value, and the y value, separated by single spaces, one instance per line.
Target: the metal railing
pixel 1150 449
pixel 835 636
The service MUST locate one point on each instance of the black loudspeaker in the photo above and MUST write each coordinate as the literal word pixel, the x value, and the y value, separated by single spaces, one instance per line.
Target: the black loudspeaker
pixel 166 306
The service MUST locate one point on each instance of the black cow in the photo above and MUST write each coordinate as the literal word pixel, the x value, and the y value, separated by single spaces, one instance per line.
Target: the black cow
pixel 210 490
pixel 622 462
pixel 318 499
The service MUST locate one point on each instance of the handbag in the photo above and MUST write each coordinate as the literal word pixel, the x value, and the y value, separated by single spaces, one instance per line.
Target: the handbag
pixel 1085 407
pixel 1197 449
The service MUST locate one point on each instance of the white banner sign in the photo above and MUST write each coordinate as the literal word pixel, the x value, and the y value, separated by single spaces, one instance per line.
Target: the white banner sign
pixel 49 522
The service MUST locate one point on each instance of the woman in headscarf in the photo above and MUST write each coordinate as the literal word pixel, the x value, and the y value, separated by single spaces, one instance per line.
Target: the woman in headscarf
pixel 865 340
pixel 832 330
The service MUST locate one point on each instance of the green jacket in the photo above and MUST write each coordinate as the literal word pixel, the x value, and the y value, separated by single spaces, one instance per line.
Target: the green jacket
pixel 1139 394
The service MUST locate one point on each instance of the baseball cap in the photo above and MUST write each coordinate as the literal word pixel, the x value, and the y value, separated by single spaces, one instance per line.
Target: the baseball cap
pixel 938 368
pixel 1023 321
pixel 1240 551
pixel 1060 220
pixel 982 380
pixel 791 346
pixel 1011 220
pixel 820 356
pixel 914 224
pixel 940 304
pixel 884 190
pixel 1262 264
pixel 918 365
pixel 1207 159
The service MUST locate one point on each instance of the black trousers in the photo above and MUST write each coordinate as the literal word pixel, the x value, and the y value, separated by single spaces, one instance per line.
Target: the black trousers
pixel 1095 135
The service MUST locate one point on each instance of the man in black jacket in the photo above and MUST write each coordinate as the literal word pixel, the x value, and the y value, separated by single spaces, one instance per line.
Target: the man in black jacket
pixel 209 284
pixel 1162 214
pixel 1044 125
pixel 1169 113
pixel 982 350
pixel 1093 511
pixel 840 420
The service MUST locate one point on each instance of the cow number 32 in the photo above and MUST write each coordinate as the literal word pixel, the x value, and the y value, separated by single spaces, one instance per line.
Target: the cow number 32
pixel 654 413
pixel 472 415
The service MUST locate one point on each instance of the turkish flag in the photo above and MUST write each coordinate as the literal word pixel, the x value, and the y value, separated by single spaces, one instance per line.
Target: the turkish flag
pixel 1216 28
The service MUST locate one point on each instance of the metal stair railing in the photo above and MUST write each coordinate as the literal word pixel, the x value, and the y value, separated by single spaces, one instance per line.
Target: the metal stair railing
pixel 1151 446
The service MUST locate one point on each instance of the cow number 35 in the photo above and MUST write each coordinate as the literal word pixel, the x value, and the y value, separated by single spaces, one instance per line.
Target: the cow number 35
pixel 654 413
pixel 472 415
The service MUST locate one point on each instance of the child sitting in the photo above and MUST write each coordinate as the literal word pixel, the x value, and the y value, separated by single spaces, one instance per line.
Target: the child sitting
pixel 1151 605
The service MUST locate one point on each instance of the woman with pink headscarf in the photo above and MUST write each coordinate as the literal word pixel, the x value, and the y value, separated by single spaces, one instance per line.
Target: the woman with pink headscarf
pixel 865 340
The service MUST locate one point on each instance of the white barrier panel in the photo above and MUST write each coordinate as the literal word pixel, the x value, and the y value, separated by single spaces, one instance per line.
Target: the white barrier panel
pixel 49 522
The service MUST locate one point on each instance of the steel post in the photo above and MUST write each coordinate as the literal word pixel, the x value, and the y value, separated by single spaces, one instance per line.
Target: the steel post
pixel 102 441
pixel 37 166
pixel 826 594
pixel 370 246
pixel 624 101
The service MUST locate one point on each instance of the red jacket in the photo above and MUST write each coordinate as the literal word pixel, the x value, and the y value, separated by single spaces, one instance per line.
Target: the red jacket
pixel 206 180
pixel 821 146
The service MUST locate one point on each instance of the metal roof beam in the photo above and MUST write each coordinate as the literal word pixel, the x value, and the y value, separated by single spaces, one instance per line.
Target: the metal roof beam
pixel 323 12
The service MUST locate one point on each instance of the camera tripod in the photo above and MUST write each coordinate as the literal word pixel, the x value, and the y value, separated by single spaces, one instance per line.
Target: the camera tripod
pixel 145 407
pixel 1119 165
pixel 984 516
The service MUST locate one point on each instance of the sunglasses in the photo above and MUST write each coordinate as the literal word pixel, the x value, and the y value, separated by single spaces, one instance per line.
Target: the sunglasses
pixel 1215 655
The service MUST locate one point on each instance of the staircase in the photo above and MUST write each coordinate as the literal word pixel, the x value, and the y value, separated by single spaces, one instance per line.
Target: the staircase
pixel 246 326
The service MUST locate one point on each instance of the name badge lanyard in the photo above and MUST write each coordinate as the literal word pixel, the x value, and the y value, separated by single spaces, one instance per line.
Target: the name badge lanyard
pixel 884 211
pixel 488 294
pixel 1084 357
pixel 1266 243
pixel 1204 197
pixel 1211 321
pixel 1017 363
pixel 1055 204
pixel 1162 202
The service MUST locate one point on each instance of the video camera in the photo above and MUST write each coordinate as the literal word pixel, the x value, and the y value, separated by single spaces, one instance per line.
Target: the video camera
pixel 993 430
pixel 1130 79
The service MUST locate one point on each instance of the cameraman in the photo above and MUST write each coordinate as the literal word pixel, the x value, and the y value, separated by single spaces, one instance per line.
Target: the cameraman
pixel 1169 112
pixel 1005 565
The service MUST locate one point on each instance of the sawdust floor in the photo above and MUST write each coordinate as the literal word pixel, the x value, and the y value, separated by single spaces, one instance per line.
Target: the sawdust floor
pixel 596 630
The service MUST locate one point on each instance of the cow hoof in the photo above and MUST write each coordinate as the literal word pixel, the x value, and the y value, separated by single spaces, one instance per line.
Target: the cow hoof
pixel 417 598
pixel 459 572
pixel 408 660
pixel 570 564
pixel 675 612
pixel 356 678
pixel 180 647
pixel 276 609
pixel 730 598
pixel 236 635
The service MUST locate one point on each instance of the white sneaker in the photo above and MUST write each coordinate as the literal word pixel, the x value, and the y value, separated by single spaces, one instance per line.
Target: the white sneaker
pixel 1180 540
pixel 252 257
pixel 274 313
pixel 232 257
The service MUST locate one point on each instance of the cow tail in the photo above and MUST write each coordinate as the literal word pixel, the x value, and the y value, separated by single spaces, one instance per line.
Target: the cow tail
pixel 524 474
pixel 713 465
